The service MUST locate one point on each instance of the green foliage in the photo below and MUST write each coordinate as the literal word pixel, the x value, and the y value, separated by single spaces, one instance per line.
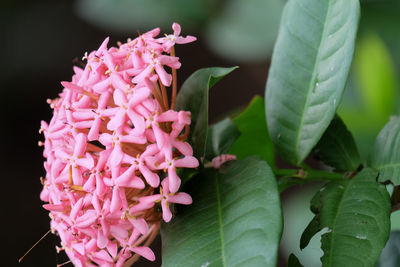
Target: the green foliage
pixel 356 213
pixel 254 138
pixel 308 72
pixel 385 155
pixel 235 219
pixel 193 96
pixel 337 147
pixel 220 138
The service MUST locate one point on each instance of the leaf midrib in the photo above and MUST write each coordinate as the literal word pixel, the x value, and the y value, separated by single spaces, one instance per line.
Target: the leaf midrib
pixel 219 211
pixel 334 223
pixel 310 87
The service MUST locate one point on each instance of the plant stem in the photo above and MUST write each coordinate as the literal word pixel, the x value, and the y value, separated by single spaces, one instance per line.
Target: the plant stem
pixel 311 175
pixel 164 95
pixel 157 94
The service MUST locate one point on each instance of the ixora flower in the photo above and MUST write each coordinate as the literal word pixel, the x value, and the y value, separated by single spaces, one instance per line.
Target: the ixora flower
pixel 112 150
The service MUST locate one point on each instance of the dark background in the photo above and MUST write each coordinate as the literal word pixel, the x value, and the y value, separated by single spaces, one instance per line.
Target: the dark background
pixel 40 42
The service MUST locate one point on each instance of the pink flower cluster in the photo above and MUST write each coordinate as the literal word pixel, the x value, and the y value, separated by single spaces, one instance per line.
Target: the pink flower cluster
pixel 112 151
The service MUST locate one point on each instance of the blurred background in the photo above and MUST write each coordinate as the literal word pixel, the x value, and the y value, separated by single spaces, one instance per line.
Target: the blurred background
pixel 42 40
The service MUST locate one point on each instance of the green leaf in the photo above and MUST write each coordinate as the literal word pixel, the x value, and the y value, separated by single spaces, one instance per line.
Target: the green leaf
pixel 245 30
pixel 357 215
pixel 337 147
pixel 193 96
pixel 220 138
pixel 186 174
pixel 308 73
pixel 390 256
pixel 293 261
pixel 235 219
pixel 385 155
pixel 254 138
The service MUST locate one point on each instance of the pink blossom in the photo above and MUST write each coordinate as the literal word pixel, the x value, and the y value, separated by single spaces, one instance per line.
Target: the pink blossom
pixel 106 146
pixel 170 40
pixel 166 198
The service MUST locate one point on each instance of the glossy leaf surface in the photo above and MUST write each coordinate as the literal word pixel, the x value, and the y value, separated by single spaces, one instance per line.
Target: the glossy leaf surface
pixel 235 219
pixel 193 96
pixel 337 147
pixel 385 155
pixel 254 138
pixel 220 138
pixel 308 73
pixel 356 213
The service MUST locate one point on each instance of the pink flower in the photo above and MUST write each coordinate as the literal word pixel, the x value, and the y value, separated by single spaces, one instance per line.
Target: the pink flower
pixel 170 40
pixel 111 135
pixel 165 197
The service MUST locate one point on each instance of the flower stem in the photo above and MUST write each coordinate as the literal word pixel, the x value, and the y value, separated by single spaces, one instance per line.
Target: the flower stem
pixel 157 93
pixel 164 95
pixel 293 177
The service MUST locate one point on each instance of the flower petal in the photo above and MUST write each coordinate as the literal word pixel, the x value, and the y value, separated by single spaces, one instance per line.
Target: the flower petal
pixel 151 178
pixel 145 252
pixel 166 213
pixel 187 162
pixel 115 201
pixel 180 198
pixel 174 181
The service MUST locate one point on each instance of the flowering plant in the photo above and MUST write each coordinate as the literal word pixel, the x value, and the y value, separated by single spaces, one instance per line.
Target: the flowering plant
pixel 112 138
pixel 123 143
